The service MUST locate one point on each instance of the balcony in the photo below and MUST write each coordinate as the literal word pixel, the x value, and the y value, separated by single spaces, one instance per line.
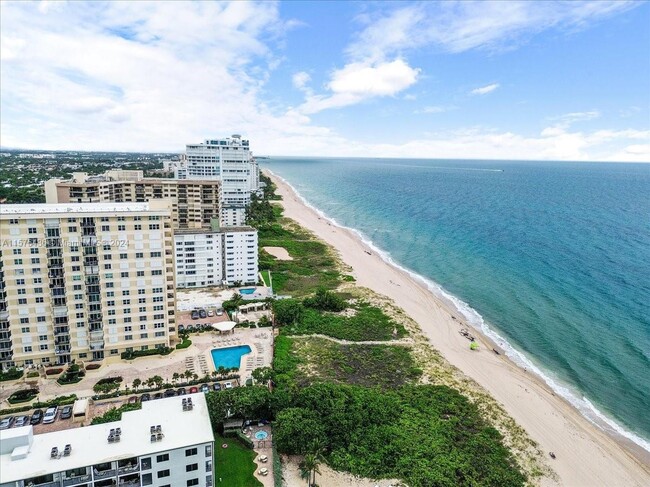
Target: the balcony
pixel 128 466
pixel 76 480
pixel 91 270
pixel 62 350
pixel 59 311
pixel 61 330
pixel 97 345
pixel 4 315
pixel 97 335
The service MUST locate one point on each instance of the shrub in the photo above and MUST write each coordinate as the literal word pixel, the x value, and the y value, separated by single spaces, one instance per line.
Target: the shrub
pixel 325 300
pixel 93 366
pixel 115 414
pixel 107 384
pixel 71 376
pixel 20 409
pixel 57 401
pixel 32 375
pixel 22 396
pixel 12 374
pixel 53 371
pixel 145 353
pixel 186 343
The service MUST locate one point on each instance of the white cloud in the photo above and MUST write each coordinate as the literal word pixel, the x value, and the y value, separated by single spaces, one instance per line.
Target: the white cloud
pixel 435 109
pixel 568 119
pixel 301 79
pixel 356 82
pixel 461 26
pixel 484 90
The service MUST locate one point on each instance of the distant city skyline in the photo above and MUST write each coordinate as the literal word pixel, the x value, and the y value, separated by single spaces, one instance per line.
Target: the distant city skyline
pixel 493 80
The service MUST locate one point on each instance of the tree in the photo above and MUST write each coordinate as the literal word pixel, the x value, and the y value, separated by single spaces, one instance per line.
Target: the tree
pixel 297 430
pixel 157 380
pixel 136 383
pixel 325 300
pixel 175 377
pixel 263 375
pixel 287 311
pixel 188 374
pixel 222 371
pixel 309 466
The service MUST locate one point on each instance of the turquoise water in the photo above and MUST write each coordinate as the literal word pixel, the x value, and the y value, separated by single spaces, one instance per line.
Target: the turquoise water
pixel 261 435
pixel 249 290
pixel 550 259
pixel 229 357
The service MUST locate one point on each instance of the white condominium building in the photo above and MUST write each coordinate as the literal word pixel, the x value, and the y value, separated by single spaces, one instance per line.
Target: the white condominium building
pixel 230 161
pixel 167 443
pixel 211 258
pixel 84 281
pixel 194 203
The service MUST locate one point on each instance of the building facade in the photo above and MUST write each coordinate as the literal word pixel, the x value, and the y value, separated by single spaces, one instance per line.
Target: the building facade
pixel 194 203
pixel 224 256
pixel 230 161
pixel 165 444
pixel 84 281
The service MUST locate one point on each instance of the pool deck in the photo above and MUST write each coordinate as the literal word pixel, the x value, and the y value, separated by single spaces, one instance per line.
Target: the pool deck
pixel 259 339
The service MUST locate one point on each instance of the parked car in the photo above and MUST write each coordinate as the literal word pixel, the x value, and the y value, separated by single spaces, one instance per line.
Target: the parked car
pixel 133 399
pixel 50 415
pixel 202 313
pixel 219 312
pixel 228 385
pixel 205 388
pixel 195 314
pixel 7 423
pixel 170 393
pixel 216 386
pixel 193 390
pixel 66 412
pixel 158 395
pixel 181 328
pixel 37 417
pixel 210 312
pixel 21 421
pixel 181 392
pixel 145 397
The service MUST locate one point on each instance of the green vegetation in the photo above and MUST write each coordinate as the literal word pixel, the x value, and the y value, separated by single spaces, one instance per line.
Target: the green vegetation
pixel 266 277
pixel 22 396
pixel 12 374
pixel 184 344
pixel 145 353
pixel 72 375
pixel 425 435
pixel 367 323
pixel 383 366
pixel 234 464
pixel 325 300
pixel 115 414
pixel 57 401
pixel 259 212
pixel 107 385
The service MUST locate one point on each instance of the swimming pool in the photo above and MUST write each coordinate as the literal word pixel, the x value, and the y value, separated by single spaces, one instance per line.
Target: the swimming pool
pixel 229 357
pixel 261 435
pixel 248 290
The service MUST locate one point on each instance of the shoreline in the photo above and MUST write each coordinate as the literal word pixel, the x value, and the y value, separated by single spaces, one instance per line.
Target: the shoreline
pixel 585 454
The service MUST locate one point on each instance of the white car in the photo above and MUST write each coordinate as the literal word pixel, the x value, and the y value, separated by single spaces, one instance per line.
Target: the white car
pixel 228 385
pixel 210 312
pixel 50 415
pixel 219 312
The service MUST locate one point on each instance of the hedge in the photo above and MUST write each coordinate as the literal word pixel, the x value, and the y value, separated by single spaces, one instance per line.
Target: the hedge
pixel 145 353
pixel 12 374
pixel 57 401
pixel 186 343
pixel 53 371
pixel 33 375
pixel 22 396
pixel 20 409
pixel 93 366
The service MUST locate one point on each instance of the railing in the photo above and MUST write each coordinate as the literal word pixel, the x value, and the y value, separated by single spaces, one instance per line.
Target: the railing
pixel 104 474
pixel 76 480
pixel 59 311
pixel 128 469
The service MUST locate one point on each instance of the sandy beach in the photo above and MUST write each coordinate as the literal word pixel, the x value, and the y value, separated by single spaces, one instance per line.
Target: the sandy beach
pixel 586 456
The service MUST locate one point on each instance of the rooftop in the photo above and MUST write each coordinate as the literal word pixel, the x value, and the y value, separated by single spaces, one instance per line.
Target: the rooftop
pixel 198 231
pixel 59 208
pixel 90 445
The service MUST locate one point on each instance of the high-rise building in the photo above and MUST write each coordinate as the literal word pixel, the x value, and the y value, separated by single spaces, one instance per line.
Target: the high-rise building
pixel 225 256
pixel 169 442
pixel 84 281
pixel 230 161
pixel 194 203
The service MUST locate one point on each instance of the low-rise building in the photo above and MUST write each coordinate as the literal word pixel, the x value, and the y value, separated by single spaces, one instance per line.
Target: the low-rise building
pixel 222 256
pixel 167 443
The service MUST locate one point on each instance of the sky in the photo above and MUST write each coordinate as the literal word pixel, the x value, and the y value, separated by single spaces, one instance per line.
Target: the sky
pixel 483 80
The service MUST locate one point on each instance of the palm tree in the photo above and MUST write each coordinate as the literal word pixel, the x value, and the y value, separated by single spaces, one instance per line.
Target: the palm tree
pixel 175 377
pixel 188 374
pixel 309 468
pixel 136 383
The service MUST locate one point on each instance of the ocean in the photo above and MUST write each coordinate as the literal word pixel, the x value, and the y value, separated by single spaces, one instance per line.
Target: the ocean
pixel 550 259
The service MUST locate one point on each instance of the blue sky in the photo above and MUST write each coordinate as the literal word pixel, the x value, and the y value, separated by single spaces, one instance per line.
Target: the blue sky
pixel 515 80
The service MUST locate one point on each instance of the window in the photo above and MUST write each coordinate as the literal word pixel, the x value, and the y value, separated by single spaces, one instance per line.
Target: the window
pixel 25 329
pixel 43 347
pixel 163 473
pixel 22 301
pixel 192 467
pixel 162 458
pixel 145 463
pixel 190 451
pixel 208 466
pixel 192 482
pixel 147 477
pixel 208 450
pixel 27 349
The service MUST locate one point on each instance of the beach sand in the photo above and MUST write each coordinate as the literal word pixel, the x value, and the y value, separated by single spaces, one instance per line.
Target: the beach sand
pixel 279 253
pixel 586 456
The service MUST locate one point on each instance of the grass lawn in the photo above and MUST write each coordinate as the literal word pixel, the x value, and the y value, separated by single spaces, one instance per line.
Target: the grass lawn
pixel 266 277
pixel 233 465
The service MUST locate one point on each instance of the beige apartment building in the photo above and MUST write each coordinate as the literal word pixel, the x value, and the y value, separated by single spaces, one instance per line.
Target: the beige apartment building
pixel 84 281
pixel 194 202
